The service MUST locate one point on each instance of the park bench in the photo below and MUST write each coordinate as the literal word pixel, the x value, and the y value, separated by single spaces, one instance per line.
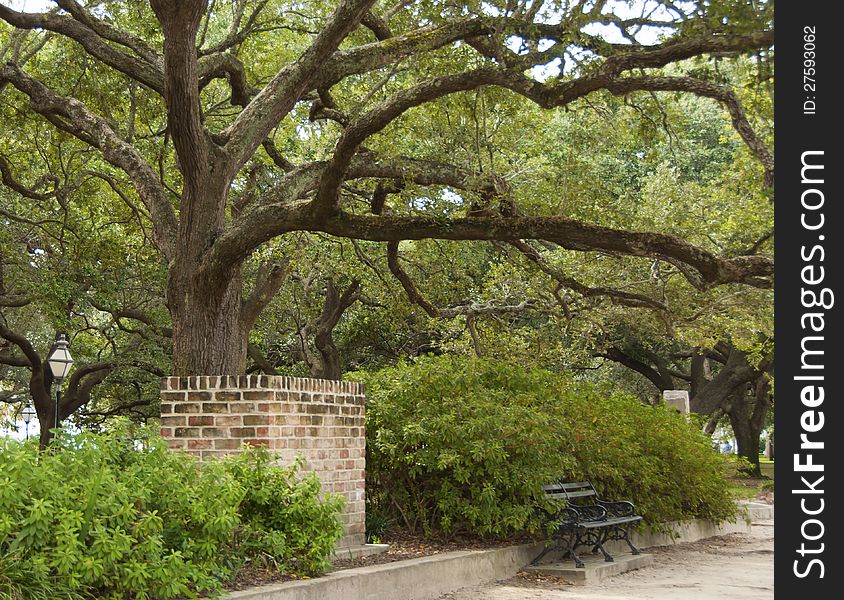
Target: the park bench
pixel 586 520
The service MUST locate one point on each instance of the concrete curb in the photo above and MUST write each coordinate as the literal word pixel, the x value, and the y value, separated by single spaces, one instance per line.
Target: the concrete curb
pixel 757 511
pixel 429 577
pixel 416 579
pixel 596 569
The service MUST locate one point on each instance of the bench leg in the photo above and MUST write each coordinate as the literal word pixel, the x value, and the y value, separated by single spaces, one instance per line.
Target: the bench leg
pixel 624 534
pixel 567 538
pixel 602 537
pixel 577 562
pixel 542 554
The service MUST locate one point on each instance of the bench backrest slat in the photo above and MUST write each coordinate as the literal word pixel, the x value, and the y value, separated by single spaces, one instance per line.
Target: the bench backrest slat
pixel 575 485
pixel 582 494
pixel 569 490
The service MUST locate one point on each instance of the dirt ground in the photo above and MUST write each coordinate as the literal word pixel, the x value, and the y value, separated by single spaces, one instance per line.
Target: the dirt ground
pixel 734 567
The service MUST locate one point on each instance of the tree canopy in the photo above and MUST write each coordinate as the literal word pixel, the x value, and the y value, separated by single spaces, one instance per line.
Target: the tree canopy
pixel 315 186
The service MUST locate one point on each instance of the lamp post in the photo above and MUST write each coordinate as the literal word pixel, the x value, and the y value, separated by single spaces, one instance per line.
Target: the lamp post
pixel 27 413
pixel 60 362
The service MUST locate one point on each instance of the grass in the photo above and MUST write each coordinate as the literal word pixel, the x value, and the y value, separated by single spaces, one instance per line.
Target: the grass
pixel 743 487
pixel 767 467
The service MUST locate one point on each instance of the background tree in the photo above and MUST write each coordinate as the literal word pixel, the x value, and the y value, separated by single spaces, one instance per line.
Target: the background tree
pixel 238 123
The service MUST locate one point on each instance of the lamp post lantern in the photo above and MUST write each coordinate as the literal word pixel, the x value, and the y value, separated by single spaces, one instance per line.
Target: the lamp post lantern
pixel 27 413
pixel 60 362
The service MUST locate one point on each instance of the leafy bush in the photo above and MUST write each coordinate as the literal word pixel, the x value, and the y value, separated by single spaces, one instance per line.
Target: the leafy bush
pixel 284 516
pixel 465 445
pixel 111 516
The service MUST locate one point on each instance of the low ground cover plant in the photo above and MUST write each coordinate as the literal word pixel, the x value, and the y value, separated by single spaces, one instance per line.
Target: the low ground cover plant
pixel 120 516
pixel 463 445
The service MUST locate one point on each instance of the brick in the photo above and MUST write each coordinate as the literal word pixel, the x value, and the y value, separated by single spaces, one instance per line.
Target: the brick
pixel 259 396
pixel 166 432
pixel 186 432
pixel 257 442
pixel 171 397
pixel 199 396
pixel 187 407
pixel 216 407
pixel 175 444
pixel 214 432
pixel 241 407
pixel 256 420
pixel 200 444
pixel 227 396
pixel 228 420
pixel 270 407
pixel 166 409
pixel 227 444
pixel 200 420
pixel 173 421
pixel 242 432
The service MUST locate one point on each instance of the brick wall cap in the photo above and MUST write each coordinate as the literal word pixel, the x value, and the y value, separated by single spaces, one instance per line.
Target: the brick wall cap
pixel 260 382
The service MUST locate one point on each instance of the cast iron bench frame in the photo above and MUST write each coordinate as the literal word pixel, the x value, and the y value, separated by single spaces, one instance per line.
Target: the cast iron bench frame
pixel 587 524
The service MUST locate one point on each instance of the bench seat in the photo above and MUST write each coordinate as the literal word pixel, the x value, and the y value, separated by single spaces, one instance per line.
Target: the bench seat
pixel 586 520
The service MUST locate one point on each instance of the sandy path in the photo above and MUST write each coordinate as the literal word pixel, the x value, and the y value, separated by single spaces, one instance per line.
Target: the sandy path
pixel 733 567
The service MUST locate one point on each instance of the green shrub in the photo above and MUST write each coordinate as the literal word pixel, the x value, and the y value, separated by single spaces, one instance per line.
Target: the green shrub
pixel 465 445
pixel 111 516
pixel 284 516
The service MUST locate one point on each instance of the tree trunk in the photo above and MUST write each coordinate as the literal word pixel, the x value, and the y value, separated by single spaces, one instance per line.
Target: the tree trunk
pixel 207 330
pixel 325 362
pixel 328 364
pixel 747 435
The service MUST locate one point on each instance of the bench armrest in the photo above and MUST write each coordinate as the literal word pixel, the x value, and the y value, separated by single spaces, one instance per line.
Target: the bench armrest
pixel 592 512
pixel 618 509
pixel 568 516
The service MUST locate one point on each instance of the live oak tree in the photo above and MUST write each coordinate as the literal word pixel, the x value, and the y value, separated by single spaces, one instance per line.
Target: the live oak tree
pixel 84 270
pixel 645 317
pixel 276 112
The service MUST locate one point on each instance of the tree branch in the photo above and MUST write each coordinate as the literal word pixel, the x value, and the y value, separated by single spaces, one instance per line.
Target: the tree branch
pixel 616 296
pixel 276 99
pixel 268 281
pixel 145 70
pixel 32 357
pixel 73 116
pixel 468 309
pixel 662 381
pixel 180 21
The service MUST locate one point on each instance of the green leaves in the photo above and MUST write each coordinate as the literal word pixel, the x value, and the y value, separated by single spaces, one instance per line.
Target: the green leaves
pixel 127 518
pixel 465 445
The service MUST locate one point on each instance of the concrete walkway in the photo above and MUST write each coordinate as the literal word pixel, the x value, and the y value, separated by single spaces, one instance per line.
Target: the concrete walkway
pixel 734 567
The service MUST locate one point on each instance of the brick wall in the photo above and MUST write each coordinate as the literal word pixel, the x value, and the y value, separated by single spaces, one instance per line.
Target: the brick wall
pixel 322 420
